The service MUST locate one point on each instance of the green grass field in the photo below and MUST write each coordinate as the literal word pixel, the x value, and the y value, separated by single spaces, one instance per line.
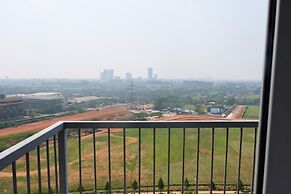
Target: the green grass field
pixel 146 159
pixel 8 141
pixel 252 112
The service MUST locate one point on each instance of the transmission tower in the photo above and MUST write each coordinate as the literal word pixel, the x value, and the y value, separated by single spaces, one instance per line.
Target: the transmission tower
pixel 131 99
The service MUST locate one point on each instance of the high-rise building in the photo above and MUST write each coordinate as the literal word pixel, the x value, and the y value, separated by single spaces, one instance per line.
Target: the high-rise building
pixel 107 75
pixel 155 77
pixel 128 76
pixel 150 74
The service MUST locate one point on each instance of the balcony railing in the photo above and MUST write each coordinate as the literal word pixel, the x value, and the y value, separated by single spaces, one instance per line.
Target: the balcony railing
pixel 132 157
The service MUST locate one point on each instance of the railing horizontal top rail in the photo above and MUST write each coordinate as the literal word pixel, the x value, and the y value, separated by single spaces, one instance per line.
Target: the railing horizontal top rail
pixel 13 153
pixel 18 150
pixel 162 124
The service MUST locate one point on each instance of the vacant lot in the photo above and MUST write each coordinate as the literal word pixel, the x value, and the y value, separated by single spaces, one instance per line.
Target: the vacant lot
pixel 147 159
pixel 104 114
pixel 13 135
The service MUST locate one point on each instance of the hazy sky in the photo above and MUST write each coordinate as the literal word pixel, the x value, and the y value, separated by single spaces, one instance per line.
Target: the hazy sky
pixel 224 39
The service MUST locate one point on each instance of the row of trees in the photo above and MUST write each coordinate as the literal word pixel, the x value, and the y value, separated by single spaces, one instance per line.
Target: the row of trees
pixel 161 185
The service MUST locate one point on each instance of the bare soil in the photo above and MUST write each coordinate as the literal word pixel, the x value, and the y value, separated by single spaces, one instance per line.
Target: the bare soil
pixel 237 112
pixel 110 113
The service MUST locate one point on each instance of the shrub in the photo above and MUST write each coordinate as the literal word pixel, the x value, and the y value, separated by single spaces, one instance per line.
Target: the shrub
pixel 241 186
pixel 161 184
pixel 134 185
pixel 80 188
pixel 107 186
pixel 212 185
pixel 186 183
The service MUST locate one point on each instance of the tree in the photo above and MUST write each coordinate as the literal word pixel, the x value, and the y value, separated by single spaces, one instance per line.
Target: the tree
pixel 134 185
pixel 241 186
pixel 199 109
pixel 186 183
pixel 107 186
pixel 212 185
pixel 80 188
pixel 161 184
pixel 31 113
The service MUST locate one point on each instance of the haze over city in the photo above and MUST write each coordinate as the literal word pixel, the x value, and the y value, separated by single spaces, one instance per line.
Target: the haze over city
pixel 179 39
pixel 143 96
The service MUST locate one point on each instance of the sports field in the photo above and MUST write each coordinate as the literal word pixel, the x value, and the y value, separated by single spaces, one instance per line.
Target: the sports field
pixel 146 160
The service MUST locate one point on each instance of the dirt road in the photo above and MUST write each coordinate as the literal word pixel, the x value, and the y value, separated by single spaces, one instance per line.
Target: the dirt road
pixel 191 117
pixel 237 112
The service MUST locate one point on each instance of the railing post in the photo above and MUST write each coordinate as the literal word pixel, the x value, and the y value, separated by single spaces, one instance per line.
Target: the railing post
pixel 63 168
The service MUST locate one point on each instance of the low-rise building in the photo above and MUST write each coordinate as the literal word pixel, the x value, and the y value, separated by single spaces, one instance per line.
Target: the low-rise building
pixel 46 104
pixel 11 108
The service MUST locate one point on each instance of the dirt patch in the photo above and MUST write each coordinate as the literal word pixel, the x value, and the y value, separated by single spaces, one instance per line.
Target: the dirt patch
pixel 237 112
pixel 104 114
pixel 191 117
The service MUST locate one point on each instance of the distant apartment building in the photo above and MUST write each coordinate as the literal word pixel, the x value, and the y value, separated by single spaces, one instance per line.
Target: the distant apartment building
pixel 44 104
pixel 107 75
pixel 11 108
pixel 128 76
pixel 150 74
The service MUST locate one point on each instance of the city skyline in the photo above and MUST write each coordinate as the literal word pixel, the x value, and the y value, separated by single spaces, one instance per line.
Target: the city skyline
pixel 181 40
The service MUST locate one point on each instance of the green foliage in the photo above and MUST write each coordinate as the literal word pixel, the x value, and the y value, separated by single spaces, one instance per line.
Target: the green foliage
pixel 80 188
pixel 167 102
pixel 161 184
pixel 241 185
pixel 6 124
pixel 31 113
pixel 107 186
pixel 186 183
pixel 212 185
pixel 199 109
pixel 52 190
pixel 134 185
pixel 142 116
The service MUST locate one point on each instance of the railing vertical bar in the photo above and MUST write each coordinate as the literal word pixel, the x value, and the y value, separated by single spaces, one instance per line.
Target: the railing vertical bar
pixel 169 159
pixel 48 167
pixel 80 161
pixel 39 170
pixel 139 159
pixel 14 177
pixel 63 165
pixel 254 161
pixel 154 160
pixel 95 167
pixel 124 160
pixel 27 173
pixel 109 159
pixel 212 157
pixel 197 161
pixel 225 161
pixel 239 160
pixel 56 165
pixel 183 161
